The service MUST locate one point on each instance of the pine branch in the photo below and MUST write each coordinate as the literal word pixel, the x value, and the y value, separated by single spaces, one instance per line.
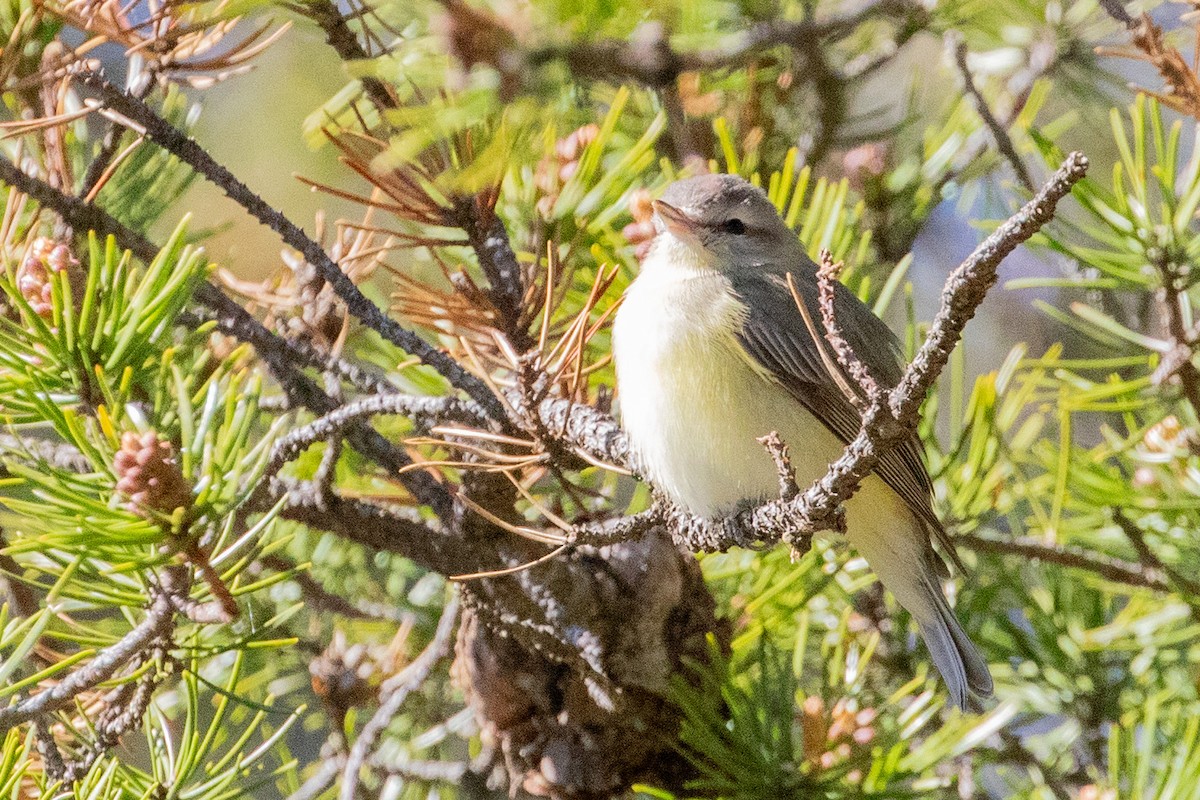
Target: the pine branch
pixel 158 624
pixel 162 133
pixel 282 356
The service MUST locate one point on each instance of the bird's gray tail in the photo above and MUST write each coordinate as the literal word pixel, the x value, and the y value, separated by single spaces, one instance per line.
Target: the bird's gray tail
pixel 954 654
pixel 904 560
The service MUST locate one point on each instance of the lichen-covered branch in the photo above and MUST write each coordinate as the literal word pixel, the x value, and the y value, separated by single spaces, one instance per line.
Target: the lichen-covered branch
pixel 422 410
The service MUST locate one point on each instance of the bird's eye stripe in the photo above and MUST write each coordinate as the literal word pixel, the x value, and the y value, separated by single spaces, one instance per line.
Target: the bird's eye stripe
pixel 734 226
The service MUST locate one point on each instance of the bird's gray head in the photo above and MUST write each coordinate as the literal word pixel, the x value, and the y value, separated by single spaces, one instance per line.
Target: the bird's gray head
pixel 719 222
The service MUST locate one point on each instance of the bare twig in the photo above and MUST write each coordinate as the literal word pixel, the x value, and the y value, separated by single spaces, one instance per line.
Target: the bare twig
pixel 1113 569
pixel 999 131
pixel 775 447
pixel 827 276
pixel 887 424
pixel 1149 558
pixel 383 528
pixel 394 692
pixel 619 530
pixel 451 772
pixel 967 286
pixel 423 410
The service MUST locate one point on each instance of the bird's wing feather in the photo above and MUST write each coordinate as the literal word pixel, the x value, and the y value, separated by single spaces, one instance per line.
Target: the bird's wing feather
pixel 774 333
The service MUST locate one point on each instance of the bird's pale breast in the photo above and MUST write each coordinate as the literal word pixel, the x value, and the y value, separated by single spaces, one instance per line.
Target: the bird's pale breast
pixel 694 403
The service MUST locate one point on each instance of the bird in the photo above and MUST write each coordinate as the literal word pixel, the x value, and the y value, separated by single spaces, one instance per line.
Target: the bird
pixel 711 353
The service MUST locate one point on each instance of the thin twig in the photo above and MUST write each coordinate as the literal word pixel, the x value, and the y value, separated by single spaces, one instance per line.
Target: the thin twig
pixel 1113 569
pixel 322 779
pixel 451 772
pixel 55 768
pixel 157 624
pixel 383 528
pixel 112 138
pixel 968 285
pixel 622 529
pixel 827 276
pixel 394 692
pixel 1004 142
pixel 775 447
pixel 428 409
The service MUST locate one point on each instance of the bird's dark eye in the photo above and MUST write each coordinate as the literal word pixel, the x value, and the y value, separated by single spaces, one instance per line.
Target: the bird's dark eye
pixel 734 226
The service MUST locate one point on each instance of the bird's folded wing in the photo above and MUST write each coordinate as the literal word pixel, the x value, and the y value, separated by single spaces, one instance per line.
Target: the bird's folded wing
pixel 775 335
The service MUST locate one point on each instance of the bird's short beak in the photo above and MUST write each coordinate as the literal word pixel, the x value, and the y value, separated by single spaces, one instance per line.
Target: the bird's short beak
pixel 676 221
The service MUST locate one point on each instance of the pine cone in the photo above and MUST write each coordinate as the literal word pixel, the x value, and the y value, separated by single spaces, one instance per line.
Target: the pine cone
pixel 865 165
pixel 345 676
pixel 45 256
pixel 831 737
pixel 553 172
pixel 640 233
pixel 148 474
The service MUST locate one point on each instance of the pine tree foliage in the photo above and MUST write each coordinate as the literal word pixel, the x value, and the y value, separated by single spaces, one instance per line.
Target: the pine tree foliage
pixel 366 526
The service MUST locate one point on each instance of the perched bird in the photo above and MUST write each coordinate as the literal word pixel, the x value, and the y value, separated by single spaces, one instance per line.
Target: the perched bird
pixel 711 354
